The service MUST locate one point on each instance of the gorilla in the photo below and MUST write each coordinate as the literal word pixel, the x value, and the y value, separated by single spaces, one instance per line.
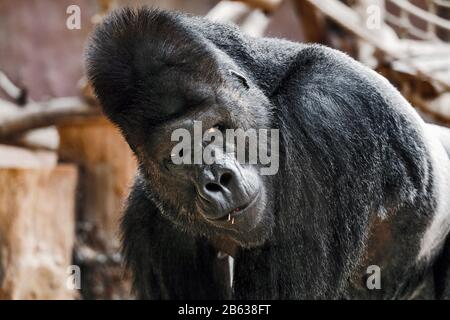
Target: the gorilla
pixel 363 181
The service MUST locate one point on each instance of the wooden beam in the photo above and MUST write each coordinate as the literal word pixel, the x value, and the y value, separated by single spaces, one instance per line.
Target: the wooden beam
pixel 313 26
pixel 252 21
pixel 44 114
pixel 350 20
pixel 422 14
pixel 268 6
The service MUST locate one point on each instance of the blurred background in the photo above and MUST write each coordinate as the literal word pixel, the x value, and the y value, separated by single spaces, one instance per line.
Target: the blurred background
pixel 65 170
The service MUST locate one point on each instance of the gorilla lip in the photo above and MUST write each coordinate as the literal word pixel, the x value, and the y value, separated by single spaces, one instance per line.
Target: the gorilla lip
pixel 238 211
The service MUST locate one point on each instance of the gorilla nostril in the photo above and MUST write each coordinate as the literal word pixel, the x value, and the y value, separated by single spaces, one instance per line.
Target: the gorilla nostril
pixel 225 179
pixel 214 187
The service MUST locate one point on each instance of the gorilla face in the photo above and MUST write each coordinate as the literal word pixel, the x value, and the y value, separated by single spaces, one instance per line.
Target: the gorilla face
pixel 226 197
pixel 150 85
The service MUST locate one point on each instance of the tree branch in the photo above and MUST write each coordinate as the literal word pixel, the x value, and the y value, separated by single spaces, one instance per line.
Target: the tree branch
pixel 44 114
pixel 14 92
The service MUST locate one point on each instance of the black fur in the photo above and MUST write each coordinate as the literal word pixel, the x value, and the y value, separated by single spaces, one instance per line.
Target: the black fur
pixel 357 179
pixel 167 263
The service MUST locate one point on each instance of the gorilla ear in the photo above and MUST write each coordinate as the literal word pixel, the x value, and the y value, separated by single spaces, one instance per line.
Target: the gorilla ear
pixel 240 77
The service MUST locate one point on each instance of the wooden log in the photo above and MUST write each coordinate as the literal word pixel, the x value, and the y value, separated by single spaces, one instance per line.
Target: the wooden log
pixel 37 230
pixel 39 115
pixel 228 11
pixel 351 21
pixel 107 169
pixel 252 20
pixel 42 138
pixel 266 5
pixel 15 157
pixel 313 25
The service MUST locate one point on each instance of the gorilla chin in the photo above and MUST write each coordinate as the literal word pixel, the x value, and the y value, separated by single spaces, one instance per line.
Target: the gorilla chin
pixel 231 197
pixel 246 224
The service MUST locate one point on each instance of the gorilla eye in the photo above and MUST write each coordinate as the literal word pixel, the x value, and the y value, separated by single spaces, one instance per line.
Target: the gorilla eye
pixel 168 162
pixel 242 79
pixel 219 127
pixel 169 159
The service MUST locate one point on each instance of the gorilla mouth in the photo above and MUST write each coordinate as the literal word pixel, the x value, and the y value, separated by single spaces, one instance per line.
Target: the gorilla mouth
pixel 238 211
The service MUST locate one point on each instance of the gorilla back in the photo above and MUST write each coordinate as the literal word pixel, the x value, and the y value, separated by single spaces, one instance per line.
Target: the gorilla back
pixel 362 180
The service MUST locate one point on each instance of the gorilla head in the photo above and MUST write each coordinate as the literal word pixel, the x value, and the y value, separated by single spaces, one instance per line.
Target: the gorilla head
pixel 153 76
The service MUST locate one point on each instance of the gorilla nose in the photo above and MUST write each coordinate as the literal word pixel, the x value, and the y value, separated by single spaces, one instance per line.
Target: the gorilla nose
pixel 224 182
pixel 223 193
